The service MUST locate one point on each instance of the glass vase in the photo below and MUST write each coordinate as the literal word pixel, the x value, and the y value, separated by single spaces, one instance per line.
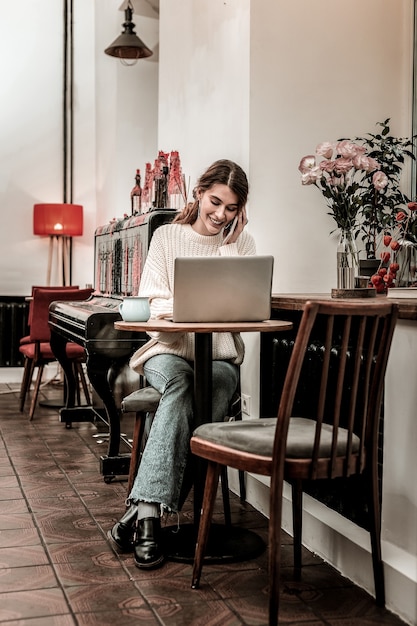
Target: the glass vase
pixel 407 260
pixel 347 260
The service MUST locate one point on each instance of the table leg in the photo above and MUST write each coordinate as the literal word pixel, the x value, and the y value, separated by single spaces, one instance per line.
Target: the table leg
pixel 203 391
pixel 226 543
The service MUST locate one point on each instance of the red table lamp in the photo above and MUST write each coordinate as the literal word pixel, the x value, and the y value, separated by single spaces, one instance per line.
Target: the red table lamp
pixel 60 222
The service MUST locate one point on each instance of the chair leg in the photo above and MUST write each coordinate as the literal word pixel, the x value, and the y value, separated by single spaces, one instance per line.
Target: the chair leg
pixel 136 449
pixel 225 494
pixel 374 508
pixel 242 486
pixel 297 524
pixel 274 537
pixel 209 498
pixel 35 392
pixel 26 380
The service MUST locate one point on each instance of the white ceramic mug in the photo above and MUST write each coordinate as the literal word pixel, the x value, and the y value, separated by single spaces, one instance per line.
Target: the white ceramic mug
pixel 134 309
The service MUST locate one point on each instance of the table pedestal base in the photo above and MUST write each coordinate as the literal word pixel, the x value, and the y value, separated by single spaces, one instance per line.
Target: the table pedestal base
pixel 227 544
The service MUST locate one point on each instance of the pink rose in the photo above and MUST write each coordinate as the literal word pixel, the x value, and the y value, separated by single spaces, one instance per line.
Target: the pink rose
pixel 311 176
pixel 348 149
pixel 343 165
pixel 327 166
pixel 325 149
pixel 307 163
pixel 379 180
pixel 373 164
pixel 400 217
pixel 362 162
pixel 412 206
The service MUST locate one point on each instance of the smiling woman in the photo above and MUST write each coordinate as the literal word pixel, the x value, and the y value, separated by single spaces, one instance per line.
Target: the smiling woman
pixel 167 360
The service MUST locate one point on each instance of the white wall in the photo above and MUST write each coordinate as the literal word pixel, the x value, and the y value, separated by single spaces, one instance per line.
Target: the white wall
pixel 115 128
pixel 204 81
pixel 319 71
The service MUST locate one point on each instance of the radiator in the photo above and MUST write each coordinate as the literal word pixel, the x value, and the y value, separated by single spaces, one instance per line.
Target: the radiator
pixel 13 326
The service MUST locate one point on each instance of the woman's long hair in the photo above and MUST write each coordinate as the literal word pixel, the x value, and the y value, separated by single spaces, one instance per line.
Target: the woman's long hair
pixel 222 172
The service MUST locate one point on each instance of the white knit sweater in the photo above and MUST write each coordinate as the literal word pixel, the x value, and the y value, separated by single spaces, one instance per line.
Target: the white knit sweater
pixel 157 281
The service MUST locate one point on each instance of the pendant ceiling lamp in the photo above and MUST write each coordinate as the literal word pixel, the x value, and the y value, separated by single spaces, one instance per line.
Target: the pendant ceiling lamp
pixel 128 47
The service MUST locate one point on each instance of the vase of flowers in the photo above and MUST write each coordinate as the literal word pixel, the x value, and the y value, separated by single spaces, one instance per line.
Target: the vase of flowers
pixel 336 169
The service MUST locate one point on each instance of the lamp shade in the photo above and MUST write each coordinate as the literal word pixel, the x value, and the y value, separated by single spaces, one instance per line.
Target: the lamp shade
pixel 58 219
pixel 128 45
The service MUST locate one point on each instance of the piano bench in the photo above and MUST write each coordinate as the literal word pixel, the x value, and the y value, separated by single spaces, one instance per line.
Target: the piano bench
pixel 145 401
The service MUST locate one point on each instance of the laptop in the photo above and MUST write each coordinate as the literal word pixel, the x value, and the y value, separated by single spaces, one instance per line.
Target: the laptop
pixel 222 288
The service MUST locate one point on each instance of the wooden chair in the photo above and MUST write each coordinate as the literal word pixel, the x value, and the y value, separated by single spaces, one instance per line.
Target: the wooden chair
pixel 26 338
pixel 337 436
pixel 37 351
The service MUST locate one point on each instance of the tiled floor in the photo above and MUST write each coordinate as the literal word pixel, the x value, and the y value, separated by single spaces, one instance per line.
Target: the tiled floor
pixel 57 567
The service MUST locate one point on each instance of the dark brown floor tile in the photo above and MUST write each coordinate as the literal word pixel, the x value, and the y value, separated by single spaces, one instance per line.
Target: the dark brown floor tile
pixel 33 468
pixel 253 610
pixel 235 583
pixel 27 578
pixel 19 537
pixel 176 590
pixel 317 576
pixel 29 604
pixel 93 570
pixel 170 569
pixel 7 494
pixel 203 613
pixel 104 598
pixel 101 490
pixel 127 617
pixel 64 500
pixel 54 620
pixel 346 604
pixel 17 505
pixel 16 557
pixel 73 552
pixel 84 477
pixel 7 473
pixel 67 525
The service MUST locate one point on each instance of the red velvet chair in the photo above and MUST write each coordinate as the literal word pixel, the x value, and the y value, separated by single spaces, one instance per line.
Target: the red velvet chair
pixel 26 338
pixel 38 351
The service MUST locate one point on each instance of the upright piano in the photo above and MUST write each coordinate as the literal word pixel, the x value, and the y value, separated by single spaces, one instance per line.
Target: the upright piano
pixel 120 249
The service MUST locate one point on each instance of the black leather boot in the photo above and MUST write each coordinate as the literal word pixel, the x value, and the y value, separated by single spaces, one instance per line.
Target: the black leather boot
pixel 122 533
pixel 148 550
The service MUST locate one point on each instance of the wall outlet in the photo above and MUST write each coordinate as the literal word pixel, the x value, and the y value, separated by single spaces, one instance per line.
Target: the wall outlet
pixel 245 404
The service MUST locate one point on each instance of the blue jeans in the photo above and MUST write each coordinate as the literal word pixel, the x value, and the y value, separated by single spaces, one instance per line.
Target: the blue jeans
pixel 162 468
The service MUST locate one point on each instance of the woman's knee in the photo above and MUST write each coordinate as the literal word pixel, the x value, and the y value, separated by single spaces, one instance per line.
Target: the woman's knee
pixel 166 371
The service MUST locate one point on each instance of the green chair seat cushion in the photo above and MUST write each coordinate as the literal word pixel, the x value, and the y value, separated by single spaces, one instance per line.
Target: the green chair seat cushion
pixel 145 400
pixel 256 436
